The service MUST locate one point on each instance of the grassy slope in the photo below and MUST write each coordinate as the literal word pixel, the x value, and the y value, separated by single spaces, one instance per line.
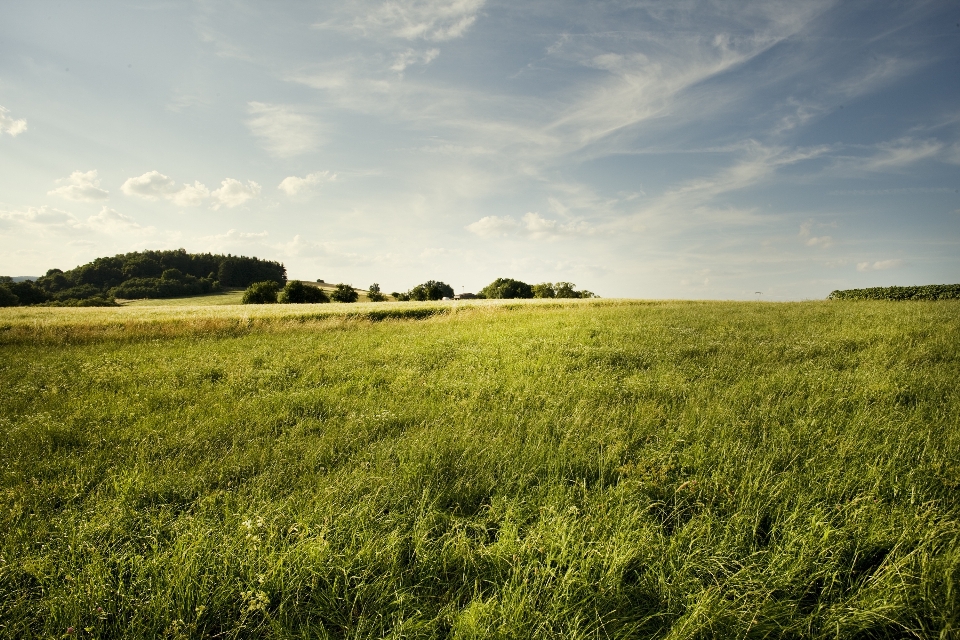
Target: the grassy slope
pixel 678 470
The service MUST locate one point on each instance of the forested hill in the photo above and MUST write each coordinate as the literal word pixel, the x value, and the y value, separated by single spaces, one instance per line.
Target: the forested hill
pixel 146 274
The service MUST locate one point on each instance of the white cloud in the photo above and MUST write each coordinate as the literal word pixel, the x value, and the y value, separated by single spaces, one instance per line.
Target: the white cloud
pixel 81 187
pixel 285 130
pixel 292 185
pixel 40 216
pixel 409 57
pixel 233 234
pixel 814 241
pixel 532 225
pixel 9 125
pixel 436 20
pixel 822 241
pixel 493 226
pixel 152 185
pixel 879 265
pixel 233 193
pixel 190 196
pixel 112 220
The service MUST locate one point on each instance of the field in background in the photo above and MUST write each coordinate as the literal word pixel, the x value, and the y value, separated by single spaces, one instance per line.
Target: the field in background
pixel 231 296
pixel 519 470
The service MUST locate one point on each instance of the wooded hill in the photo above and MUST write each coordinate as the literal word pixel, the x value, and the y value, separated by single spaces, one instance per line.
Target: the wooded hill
pixel 142 274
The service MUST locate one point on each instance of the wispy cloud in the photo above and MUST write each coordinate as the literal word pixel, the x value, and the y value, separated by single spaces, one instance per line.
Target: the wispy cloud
pixel 879 265
pixel 9 125
pixel 531 225
pixel 81 187
pixel 409 57
pixel 436 20
pixel 900 153
pixel 293 185
pixel 285 130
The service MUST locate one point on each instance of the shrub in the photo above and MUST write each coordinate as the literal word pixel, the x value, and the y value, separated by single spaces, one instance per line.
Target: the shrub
pixel 261 293
pixel 296 292
pixel 502 288
pixel 402 297
pixel 344 293
pixel 923 292
pixel 375 294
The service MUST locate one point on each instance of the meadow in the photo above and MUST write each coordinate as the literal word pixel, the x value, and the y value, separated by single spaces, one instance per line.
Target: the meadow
pixel 541 469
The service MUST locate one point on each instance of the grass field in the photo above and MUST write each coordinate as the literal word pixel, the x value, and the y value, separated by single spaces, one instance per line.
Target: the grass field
pixel 592 469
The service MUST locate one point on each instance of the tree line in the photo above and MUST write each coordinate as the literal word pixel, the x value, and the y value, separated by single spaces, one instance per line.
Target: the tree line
pixel 297 292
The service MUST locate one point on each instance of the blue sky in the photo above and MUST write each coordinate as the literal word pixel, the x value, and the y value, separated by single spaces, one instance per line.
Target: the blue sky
pixel 641 149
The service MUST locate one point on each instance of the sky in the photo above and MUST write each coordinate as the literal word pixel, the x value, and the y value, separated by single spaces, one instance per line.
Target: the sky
pixel 773 150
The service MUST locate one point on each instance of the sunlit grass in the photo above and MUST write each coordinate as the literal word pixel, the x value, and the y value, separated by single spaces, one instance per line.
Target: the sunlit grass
pixel 591 469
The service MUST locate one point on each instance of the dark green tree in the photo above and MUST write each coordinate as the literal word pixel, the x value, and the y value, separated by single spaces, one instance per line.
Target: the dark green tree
pixel 28 292
pixel 261 293
pixel 344 293
pixel 296 292
pixel 543 290
pixel 374 293
pixel 7 297
pixel 507 288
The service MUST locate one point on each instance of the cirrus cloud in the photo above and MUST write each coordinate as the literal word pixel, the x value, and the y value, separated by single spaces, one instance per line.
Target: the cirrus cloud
pixel 879 265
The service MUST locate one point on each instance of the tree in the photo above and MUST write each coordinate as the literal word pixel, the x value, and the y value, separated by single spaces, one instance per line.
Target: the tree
pixel 543 290
pixel 375 294
pixel 344 293
pixel 296 292
pixel 503 288
pixel 28 293
pixel 261 293
pixel 429 290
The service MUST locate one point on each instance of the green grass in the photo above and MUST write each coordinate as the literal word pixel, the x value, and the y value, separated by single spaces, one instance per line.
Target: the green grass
pixel 585 470
pixel 229 296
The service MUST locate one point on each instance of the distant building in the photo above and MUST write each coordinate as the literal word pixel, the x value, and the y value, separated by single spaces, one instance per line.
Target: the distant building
pixel 464 296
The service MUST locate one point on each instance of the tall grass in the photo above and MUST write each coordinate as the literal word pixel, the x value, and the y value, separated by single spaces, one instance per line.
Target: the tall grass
pixel 671 470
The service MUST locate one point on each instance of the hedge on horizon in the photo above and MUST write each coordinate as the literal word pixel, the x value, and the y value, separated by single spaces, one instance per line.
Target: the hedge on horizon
pixel 261 293
pixel 916 292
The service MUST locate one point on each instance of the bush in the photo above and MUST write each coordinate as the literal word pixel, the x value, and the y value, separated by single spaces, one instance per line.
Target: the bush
pixel 923 292
pixel 401 297
pixel 8 298
pixel 28 293
pixel 503 288
pixel 375 294
pixel 296 292
pixel 261 293
pixel 344 293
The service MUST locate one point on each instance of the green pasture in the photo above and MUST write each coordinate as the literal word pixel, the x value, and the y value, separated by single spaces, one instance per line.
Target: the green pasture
pixel 585 469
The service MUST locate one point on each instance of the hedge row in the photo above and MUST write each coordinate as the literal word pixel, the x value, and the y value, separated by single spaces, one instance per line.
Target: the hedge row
pixel 924 292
